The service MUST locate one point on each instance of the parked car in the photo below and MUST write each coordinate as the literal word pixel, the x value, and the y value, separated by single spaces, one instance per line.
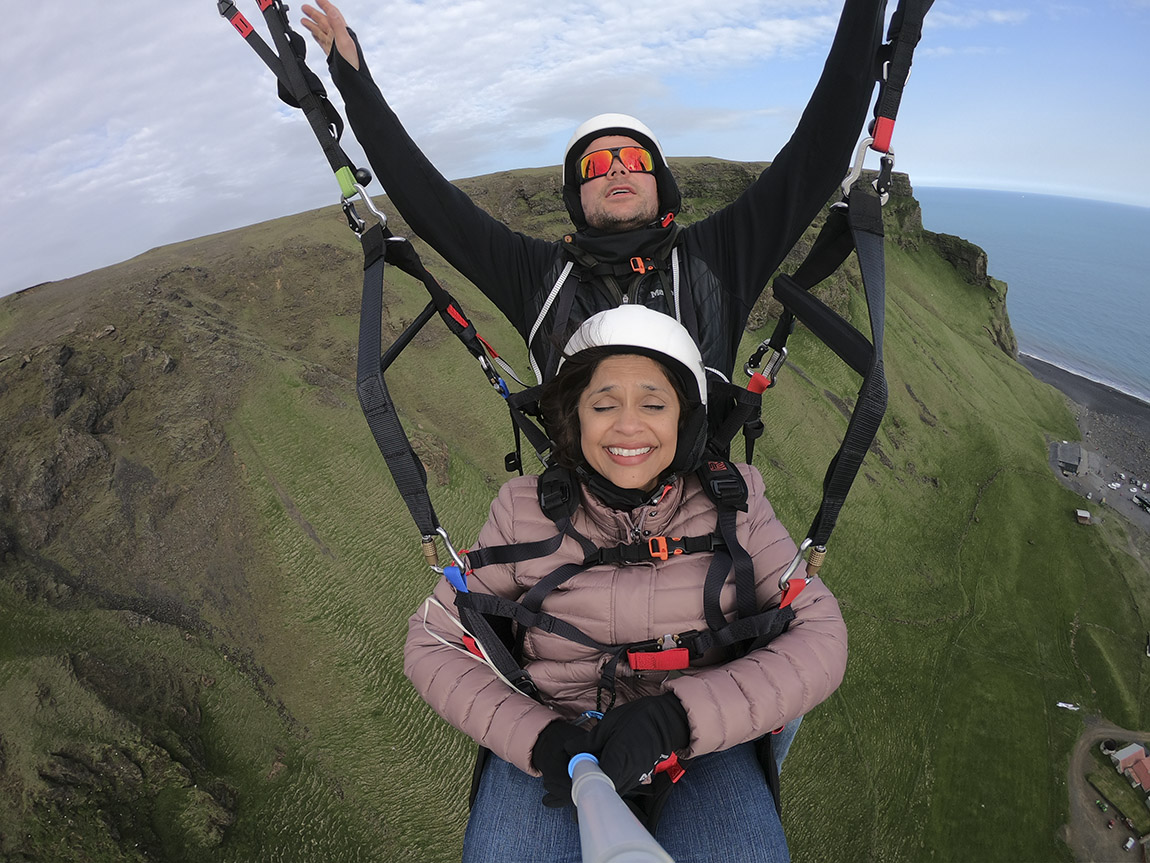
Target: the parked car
pixel 1128 844
pixel 1101 805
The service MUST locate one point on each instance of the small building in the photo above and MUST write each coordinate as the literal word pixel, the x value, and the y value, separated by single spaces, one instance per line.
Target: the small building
pixel 1083 516
pixel 1071 459
pixel 1127 756
pixel 1139 774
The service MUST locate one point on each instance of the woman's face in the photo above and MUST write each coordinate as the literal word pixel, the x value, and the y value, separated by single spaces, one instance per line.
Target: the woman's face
pixel 629 421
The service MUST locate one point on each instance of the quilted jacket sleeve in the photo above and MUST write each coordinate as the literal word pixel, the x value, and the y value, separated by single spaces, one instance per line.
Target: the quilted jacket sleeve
pixel 464 691
pixel 741 700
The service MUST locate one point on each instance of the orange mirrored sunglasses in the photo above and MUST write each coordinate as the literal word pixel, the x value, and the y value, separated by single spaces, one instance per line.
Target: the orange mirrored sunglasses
pixel 598 162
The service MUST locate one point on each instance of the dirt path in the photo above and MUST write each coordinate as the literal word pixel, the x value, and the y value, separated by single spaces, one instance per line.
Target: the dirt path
pixel 1087 834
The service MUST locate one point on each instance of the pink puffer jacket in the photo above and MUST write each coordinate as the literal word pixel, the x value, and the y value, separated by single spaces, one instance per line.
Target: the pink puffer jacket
pixel 727 703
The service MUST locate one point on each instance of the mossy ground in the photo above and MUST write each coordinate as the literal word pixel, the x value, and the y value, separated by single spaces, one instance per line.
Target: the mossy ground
pixel 260 583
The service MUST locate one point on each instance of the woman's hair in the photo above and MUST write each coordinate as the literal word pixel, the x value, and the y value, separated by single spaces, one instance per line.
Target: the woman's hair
pixel 559 400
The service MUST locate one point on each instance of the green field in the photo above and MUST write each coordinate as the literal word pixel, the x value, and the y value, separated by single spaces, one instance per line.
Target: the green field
pixel 239 639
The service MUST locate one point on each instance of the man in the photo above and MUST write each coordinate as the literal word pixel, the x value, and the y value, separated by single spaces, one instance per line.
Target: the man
pixel 622 199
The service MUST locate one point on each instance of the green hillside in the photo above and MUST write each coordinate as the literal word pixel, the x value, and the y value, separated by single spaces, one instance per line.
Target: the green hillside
pixel 206 572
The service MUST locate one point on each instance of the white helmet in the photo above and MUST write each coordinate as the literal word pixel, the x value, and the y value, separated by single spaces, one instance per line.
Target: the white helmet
pixel 651 333
pixel 616 124
pixel 637 329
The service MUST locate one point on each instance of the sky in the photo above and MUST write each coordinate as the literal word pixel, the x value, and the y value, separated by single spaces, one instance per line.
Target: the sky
pixel 128 126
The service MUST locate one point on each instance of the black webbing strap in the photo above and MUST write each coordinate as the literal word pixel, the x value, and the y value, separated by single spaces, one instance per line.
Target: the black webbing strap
pixel 902 37
pixel 743 411
pixel 865 218
pixel 298 85
pixel 497 606
pixel 378 407
pixel 493 646
pixel 856 227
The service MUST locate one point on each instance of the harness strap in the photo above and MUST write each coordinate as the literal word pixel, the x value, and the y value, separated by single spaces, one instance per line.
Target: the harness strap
pixel 378 407
pixel 298 86
pixel 855 227
pixel 903 36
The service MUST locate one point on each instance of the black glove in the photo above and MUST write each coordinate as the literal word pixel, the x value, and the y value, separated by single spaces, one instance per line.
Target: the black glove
pixel 633 737
pixel 553 749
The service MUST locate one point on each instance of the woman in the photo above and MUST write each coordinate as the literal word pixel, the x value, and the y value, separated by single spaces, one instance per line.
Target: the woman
pixel 627 414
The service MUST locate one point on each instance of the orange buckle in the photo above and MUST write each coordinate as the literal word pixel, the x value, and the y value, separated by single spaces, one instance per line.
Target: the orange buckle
pixel 661 549
pixel 641 265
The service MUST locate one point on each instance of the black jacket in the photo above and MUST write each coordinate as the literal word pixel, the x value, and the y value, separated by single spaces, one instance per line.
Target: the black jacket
pixel 724 260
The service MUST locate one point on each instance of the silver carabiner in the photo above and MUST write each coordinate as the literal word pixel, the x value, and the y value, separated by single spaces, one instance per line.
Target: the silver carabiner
pixel 450 550
pixel 856 168
pixel 354 222
pixel 786 576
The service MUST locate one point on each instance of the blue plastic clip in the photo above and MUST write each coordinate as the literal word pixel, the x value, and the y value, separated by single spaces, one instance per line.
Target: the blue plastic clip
pixel 455 578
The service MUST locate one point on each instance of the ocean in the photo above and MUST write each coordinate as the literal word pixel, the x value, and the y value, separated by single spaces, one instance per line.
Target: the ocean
pixel 1078 276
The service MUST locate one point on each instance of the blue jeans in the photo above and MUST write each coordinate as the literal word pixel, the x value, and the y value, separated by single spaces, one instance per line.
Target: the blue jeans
pixel 721 810
pixel 781 742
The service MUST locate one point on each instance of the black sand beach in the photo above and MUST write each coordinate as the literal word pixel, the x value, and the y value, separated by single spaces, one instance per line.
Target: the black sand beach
pixel 1112 423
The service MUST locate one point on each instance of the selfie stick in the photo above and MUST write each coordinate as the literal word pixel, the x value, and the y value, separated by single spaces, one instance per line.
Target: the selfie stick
pixel 608 831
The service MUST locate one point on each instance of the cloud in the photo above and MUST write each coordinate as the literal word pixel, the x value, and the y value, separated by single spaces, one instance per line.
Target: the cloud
pixel 127 130
pixel 967 19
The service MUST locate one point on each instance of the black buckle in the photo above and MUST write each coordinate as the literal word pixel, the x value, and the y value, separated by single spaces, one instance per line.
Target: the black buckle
pixel 554 494
pixel 727 490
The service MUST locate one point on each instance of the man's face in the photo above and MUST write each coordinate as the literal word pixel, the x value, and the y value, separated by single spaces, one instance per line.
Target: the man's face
pixel 620 200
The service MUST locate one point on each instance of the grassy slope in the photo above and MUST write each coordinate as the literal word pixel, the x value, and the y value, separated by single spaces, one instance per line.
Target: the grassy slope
pixel 974 601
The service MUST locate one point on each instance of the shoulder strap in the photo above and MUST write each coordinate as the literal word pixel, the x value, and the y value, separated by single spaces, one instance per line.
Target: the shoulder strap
pixel 298 86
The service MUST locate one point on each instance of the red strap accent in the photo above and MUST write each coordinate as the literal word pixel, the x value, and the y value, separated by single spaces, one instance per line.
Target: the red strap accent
pixel 671 767
pixel 459 319
pixel 675 659
pixel 472 646
pixel 241 24
pixel 667 219
pixel 794 588
pixel 883 130
pixel 487 345
pixel 759 383
pixel 264 4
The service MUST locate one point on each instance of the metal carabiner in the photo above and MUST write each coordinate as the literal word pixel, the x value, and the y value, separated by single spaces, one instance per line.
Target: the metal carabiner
pixel 459 561
pixel 354 222
pixel 882 183
pixel 856 169
pixel 790 570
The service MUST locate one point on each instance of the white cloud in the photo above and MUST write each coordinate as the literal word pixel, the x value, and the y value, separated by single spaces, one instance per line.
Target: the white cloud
pixel 128 128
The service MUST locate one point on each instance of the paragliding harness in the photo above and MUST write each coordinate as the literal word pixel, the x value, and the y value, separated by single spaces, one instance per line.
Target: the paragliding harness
pixel 495 627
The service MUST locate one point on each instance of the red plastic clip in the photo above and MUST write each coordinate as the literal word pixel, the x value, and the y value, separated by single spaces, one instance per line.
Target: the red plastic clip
pixel 671 767
pixel 759 383
pixel 674 659
pixel 883 132
pixel 241 24
pixel 793 589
